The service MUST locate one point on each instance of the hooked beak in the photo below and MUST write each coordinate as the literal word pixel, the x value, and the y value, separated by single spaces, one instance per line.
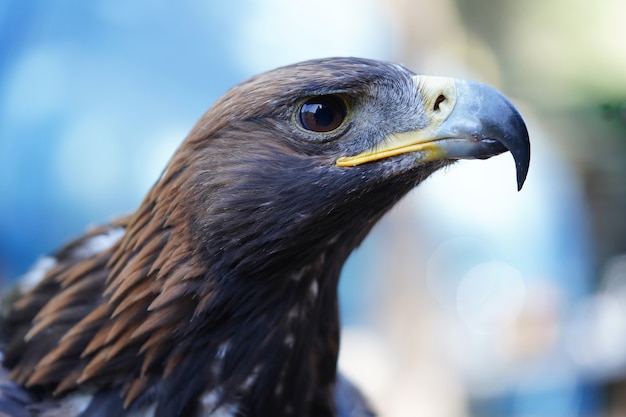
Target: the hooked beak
pixel 468 120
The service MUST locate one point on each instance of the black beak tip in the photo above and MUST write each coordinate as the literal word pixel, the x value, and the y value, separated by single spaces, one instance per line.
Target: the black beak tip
pixel 500 122
pixel 520 149
pixel 511 131
pixel 522 171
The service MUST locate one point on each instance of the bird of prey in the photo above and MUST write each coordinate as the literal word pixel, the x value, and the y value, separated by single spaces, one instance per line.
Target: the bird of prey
pixel 218 295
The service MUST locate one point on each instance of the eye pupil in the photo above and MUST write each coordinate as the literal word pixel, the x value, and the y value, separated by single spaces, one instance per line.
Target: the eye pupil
pixel 322 113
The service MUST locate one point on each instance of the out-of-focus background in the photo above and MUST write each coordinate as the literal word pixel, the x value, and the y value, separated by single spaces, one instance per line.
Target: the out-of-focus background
pixel 469 299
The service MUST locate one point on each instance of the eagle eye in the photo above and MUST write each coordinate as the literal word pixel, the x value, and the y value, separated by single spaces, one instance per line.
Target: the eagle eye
pixel 322 113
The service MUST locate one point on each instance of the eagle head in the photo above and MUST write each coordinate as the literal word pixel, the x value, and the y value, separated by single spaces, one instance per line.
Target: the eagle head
pixel 218 296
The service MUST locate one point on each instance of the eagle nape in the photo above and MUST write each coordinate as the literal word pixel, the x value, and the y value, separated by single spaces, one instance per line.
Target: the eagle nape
pixel 218 295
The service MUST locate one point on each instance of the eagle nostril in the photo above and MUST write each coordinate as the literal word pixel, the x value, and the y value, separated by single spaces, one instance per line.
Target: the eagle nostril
pixel 438 102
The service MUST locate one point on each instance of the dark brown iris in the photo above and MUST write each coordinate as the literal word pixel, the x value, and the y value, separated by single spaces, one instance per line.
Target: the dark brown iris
pixel 322 113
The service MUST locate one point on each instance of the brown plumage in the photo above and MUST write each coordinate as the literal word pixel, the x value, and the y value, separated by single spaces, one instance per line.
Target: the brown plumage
pixel 218 295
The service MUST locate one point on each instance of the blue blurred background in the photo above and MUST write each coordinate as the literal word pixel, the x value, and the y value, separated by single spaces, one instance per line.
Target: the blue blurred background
pixel 469 299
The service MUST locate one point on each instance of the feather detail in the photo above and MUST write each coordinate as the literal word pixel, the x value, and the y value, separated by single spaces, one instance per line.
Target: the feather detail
pixel 133 389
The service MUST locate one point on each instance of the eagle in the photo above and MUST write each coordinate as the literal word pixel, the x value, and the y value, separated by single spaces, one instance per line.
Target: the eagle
pixel 218 295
